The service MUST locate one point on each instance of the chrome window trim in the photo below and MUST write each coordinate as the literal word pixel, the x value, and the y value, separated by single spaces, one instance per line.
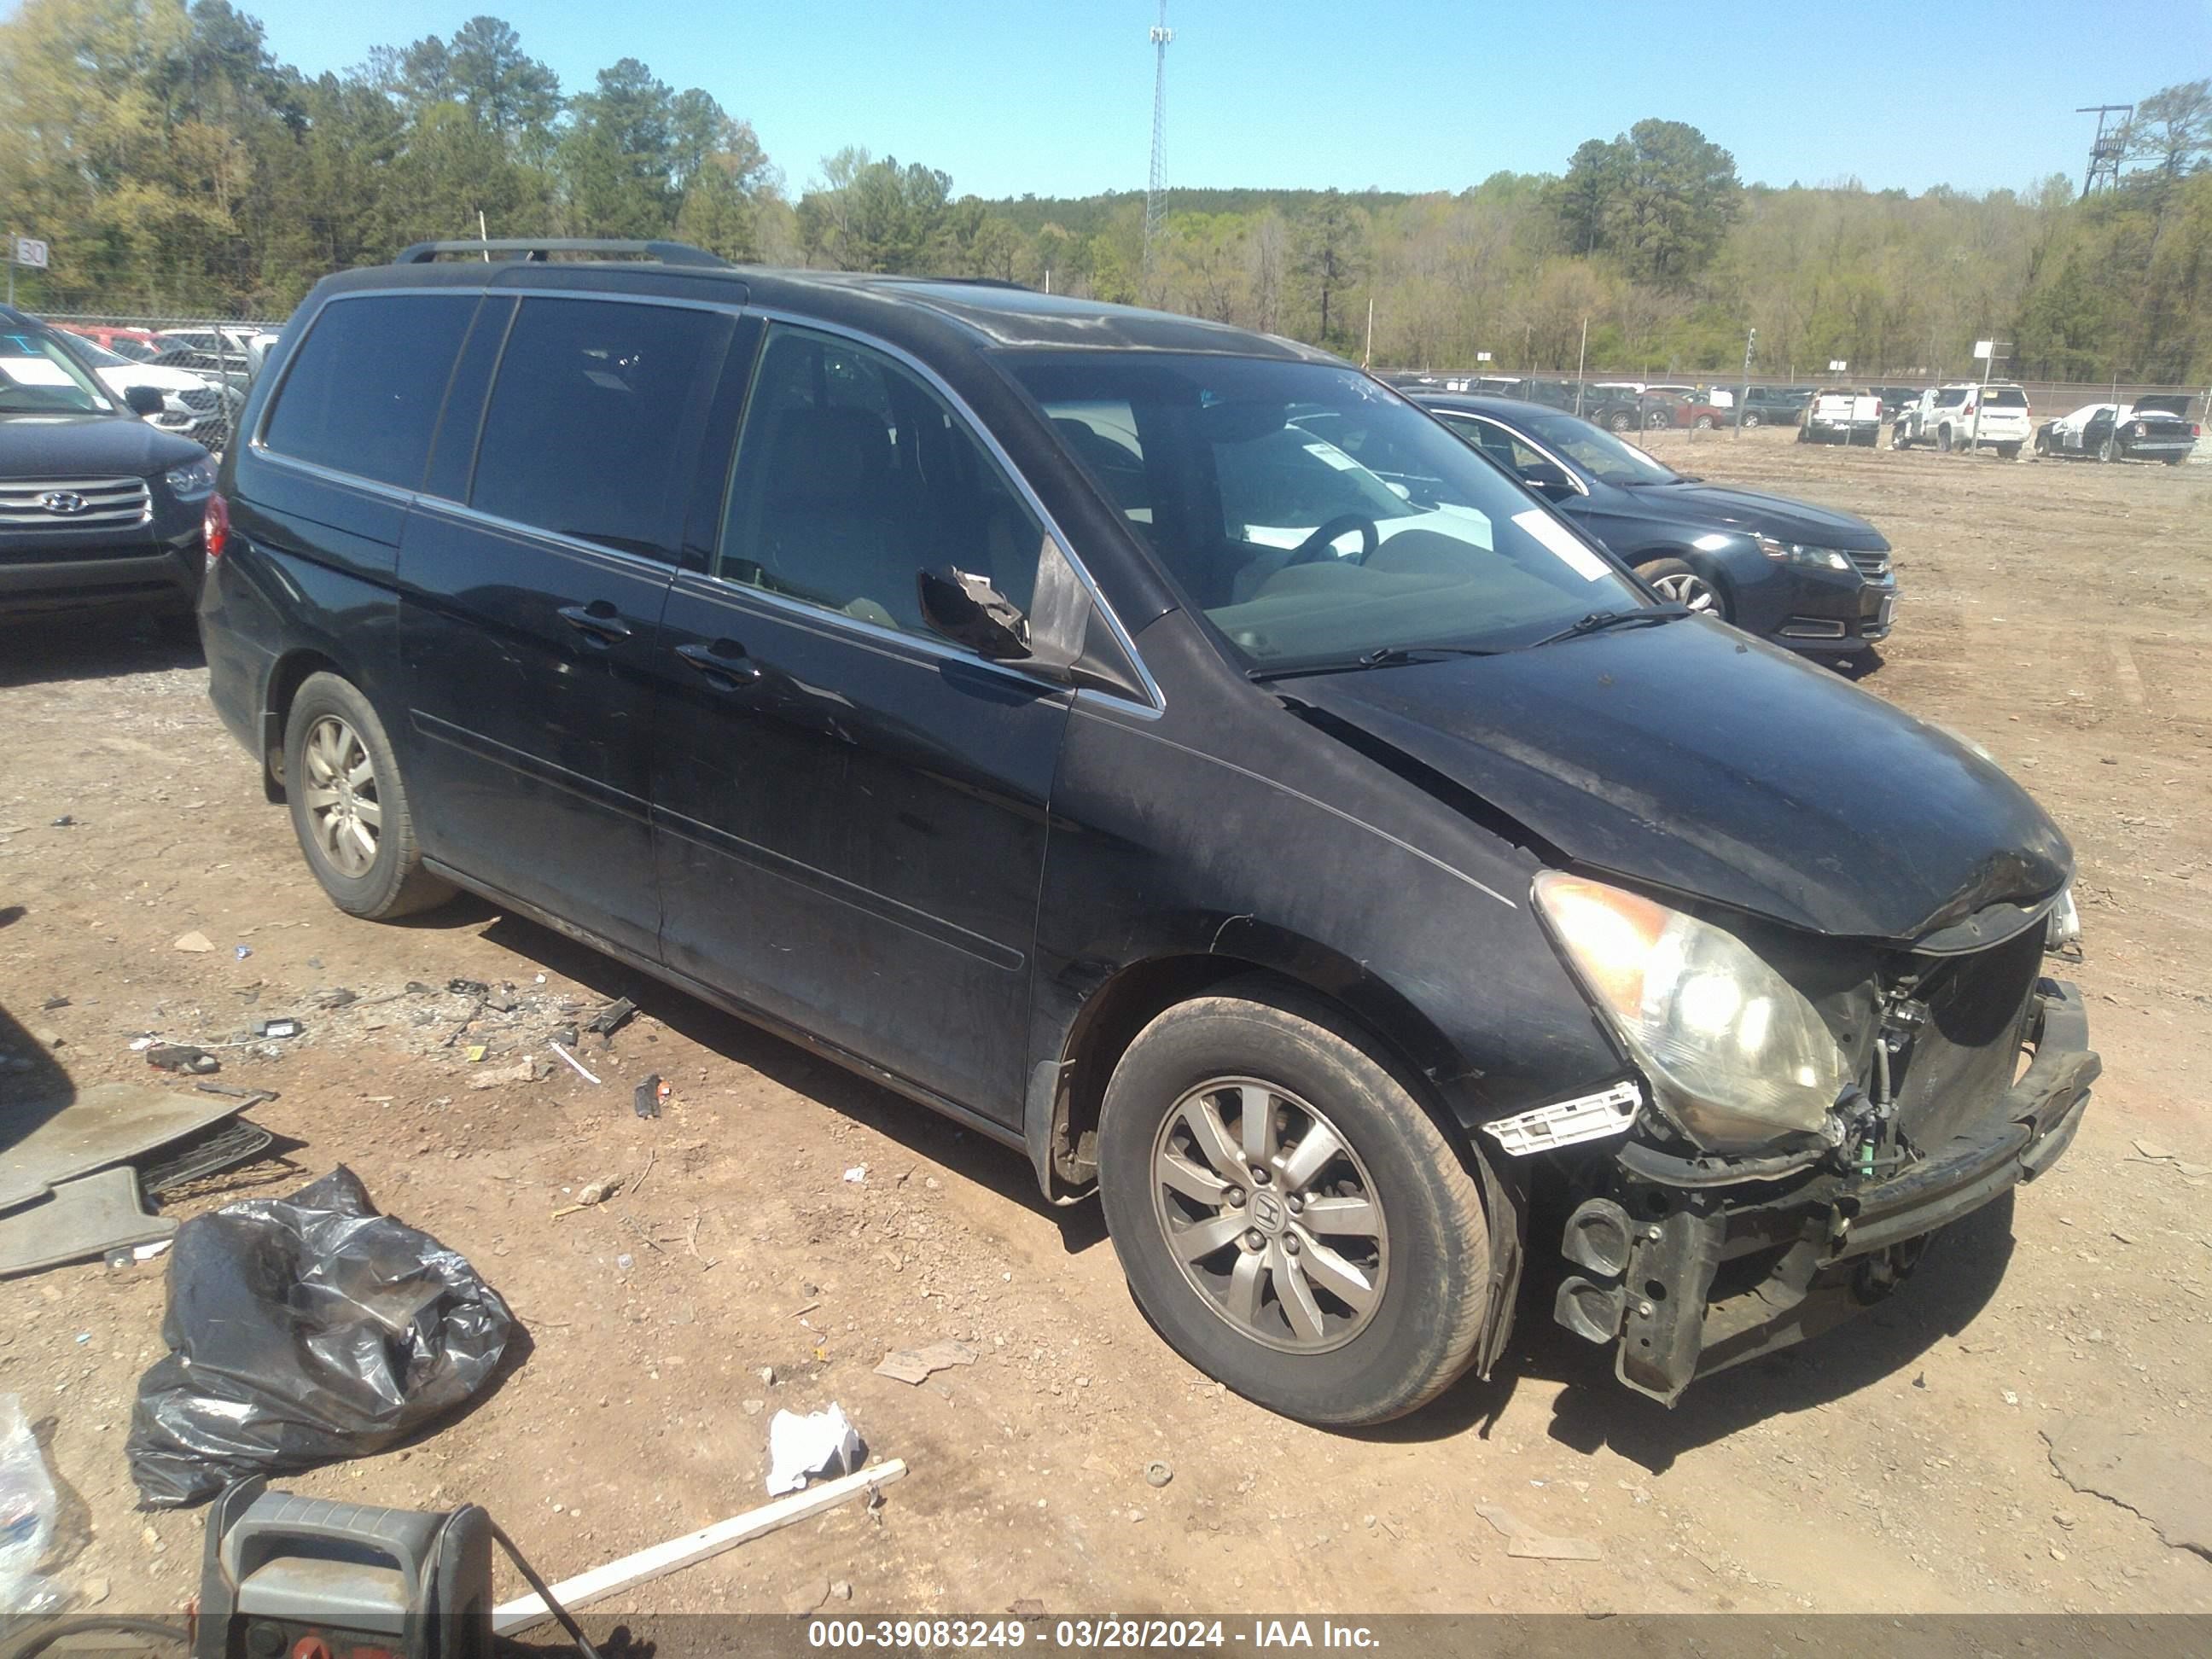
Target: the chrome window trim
pixel 984 436
pixel 621 558
pixel 1523 439
pixel 366 485
pixel 1157 698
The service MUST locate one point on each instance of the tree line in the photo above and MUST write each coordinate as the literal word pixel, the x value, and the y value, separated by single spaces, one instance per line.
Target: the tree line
pixel 178 167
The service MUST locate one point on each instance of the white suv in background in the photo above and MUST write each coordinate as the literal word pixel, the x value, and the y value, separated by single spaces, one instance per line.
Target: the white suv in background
pixel 1966 415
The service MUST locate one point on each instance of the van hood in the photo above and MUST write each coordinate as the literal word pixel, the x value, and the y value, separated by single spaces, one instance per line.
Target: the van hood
pixel 1684 757
pixel 60 444
pixel 1748 512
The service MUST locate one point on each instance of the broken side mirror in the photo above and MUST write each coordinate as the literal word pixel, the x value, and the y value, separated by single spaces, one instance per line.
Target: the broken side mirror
pixel 143 400
pixel 967 611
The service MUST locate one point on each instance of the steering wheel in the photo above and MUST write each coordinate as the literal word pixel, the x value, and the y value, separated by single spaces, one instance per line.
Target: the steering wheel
pixel 1316 546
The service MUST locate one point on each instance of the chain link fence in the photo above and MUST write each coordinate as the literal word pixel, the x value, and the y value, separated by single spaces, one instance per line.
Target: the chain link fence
pixel 202 365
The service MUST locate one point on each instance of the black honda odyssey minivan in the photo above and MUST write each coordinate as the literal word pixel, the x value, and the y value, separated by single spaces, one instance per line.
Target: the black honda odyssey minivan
pixel 1167 751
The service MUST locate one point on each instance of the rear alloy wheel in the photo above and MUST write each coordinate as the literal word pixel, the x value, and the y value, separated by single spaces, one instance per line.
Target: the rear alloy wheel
pixel 1702 423
pixel 1750 419
pixel 1291 1217
pixel 1673 579
pixel 2108 451
pixel 349 806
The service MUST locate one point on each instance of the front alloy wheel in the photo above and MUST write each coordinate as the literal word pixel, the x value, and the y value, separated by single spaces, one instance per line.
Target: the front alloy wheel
pixel 1673 579
pixel 1270 1215
pixel 1292 1217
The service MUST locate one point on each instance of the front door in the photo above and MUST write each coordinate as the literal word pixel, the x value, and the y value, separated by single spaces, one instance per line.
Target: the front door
pixel 850 812
pixel 530 602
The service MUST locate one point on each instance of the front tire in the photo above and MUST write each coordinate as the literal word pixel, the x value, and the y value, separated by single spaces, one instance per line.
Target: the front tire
pixel 2108 451
pixel 1259 1114
pixel 1618 421
pixel 1676 580
pixel 349 806
pixel 1750 420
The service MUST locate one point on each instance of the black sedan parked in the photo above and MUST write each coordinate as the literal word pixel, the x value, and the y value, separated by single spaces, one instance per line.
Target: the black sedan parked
pixel 1801 575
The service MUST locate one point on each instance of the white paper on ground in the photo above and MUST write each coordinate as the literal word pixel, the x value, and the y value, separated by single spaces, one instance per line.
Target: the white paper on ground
pixel 1561 542
pixel 822 1443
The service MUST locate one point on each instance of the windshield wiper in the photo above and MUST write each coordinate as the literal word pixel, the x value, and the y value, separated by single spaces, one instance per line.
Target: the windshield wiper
pixel 1598 621
pixel 1383 656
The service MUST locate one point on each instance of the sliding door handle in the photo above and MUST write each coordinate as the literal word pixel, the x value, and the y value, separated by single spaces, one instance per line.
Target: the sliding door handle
pixel 725 660
pixel 599 618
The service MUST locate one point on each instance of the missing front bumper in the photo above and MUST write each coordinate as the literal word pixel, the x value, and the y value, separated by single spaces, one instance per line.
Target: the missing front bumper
pixel 1691 1281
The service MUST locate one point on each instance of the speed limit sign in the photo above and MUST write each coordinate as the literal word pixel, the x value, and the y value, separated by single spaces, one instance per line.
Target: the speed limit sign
pixel 29 251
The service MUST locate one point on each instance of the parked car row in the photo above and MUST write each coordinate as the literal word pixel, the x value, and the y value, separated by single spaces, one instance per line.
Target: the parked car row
pixel 201 373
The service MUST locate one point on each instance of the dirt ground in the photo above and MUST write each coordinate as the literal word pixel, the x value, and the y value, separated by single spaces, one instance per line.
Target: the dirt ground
pixel 2057 612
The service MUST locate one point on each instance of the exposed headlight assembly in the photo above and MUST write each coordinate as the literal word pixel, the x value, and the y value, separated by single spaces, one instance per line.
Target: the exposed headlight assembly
pixel 190 482
pixel 1808 558
pixel 1736 1057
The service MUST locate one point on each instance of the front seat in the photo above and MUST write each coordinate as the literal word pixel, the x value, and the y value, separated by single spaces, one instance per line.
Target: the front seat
pixel 832 530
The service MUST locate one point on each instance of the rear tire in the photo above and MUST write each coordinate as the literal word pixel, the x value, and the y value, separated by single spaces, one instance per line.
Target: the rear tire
pixel 1702 423
pixel 1750 420
pixel 2008 452
pixel 2108 451
pixel 1407 1242
pixel 1943 439
pixel 349 807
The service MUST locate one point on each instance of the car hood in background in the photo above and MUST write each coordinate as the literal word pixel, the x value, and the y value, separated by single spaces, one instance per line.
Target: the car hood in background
pixel 49 446
pixel 1683 757
pixel 1749 513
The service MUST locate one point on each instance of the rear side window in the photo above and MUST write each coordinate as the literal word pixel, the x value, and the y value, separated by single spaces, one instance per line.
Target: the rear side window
pixel 585 433
pixel 1949 399
pixel 363 393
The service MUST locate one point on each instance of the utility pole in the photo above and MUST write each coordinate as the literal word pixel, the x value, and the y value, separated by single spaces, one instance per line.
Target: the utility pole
pixel 1367 356
pixel 1743 393
pixel 1582 356
pixel 1156 188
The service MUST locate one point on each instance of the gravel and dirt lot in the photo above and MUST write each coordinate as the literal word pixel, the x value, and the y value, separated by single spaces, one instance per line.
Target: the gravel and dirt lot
pixel 2059 613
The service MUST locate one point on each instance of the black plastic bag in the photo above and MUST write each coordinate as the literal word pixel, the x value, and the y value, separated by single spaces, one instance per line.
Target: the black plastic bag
pixel 302 1329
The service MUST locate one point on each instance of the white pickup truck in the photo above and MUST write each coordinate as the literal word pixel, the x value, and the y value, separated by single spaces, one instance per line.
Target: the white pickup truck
pixel 1841 417
pixel 1966 415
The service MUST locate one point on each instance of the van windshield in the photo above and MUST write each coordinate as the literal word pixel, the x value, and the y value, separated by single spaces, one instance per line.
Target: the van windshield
pixel 1317 518
pixel 38 377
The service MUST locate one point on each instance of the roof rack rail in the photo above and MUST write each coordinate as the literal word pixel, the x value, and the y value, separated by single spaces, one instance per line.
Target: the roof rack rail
pixel 535 249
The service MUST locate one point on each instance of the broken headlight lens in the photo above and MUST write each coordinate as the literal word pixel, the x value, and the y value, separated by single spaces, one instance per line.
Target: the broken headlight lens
pixel 1736 1057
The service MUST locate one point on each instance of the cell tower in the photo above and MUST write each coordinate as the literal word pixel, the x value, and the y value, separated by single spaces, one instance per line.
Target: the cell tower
pixel 2104 151
pixel 1155 190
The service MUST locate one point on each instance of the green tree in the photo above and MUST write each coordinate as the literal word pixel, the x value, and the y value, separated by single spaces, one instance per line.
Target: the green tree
pixel 1331 254
pixel 503 89
pixel 1678 194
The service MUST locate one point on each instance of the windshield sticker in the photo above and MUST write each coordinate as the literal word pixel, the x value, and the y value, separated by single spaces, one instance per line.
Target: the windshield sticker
pixel 35 371
pixel 1561 542
pixel 1329 454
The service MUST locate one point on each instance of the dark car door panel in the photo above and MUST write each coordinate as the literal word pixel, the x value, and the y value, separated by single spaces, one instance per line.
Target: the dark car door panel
pixel 851 833
pixel 533 731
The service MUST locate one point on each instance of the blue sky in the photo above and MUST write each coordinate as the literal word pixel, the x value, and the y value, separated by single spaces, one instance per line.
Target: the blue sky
pixel 1055 96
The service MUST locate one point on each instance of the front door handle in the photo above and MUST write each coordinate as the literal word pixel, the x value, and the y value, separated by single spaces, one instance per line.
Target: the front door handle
pixel 725 660
pixel 598 619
